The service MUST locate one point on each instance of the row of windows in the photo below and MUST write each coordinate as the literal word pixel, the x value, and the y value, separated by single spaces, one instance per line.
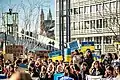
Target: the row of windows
pixel 94 8
pixel 97 40
pixel 94 24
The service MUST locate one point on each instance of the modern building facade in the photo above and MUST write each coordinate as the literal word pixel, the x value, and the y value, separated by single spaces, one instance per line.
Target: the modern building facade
pixel 93 20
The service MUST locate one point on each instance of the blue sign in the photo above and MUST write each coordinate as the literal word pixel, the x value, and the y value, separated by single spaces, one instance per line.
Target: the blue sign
pixel 55 53
pixel 73 45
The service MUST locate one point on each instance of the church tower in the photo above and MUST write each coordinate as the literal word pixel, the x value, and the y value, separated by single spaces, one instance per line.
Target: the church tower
pixel 42 26
pixel 49 16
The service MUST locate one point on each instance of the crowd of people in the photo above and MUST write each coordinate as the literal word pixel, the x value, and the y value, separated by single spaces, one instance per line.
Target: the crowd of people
pixel 81 65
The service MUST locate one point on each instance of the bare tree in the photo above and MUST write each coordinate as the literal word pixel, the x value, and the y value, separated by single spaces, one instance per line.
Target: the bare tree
pixel 31 12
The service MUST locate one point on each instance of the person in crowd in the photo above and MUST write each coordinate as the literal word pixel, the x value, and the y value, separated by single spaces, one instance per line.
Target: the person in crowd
pixel 109 73
pixel 59 69
pixel 34 72
pixel 77 73
pixel 89 58
pixel 71 72
pixel 18 62
pixel 10 70
pixel 50 71
pixel 20 76
pixel 96 69
pixel 107 59
pixel 76 58
pixel 51 68
pixel 37 66
pixel 81 58
pixel 24 64
pixel 118 72
pixel 43 73
pixel 84 70
pixel 114 61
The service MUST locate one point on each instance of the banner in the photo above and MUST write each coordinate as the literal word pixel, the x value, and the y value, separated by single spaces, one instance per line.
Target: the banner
pixel 87 45
pixel 67 54
pixel 55 55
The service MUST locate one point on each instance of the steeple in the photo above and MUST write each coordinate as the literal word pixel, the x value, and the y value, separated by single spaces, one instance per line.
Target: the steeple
pixel 42 26
pixel 49 16
pixel 42 15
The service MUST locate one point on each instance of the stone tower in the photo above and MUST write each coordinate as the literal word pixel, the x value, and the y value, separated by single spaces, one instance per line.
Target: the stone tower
pixel 49 16
pixel 42 26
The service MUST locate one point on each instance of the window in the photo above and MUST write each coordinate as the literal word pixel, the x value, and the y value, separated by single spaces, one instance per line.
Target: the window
pixel 81 25
pixel 105 23
pixel 71 11
pixel 75 10
pixel 97 40
pixel 74 25
pixel 93 9
pixel 89 39
pixel 118 6
pixel 99 23
pixel 113 6
pixel 92 24
pixel 107 40
pixel 87 9
pixel 99 7
pixel 113 20
pixel 87 25
pixel 57 14
pixel 106 7
pixel 86 39
pixel 80 10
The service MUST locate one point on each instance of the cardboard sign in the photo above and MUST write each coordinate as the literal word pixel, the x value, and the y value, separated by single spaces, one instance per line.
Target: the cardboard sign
pixel 9 56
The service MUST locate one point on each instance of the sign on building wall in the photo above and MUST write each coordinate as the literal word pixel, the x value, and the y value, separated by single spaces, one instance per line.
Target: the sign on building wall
pixel 110 49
